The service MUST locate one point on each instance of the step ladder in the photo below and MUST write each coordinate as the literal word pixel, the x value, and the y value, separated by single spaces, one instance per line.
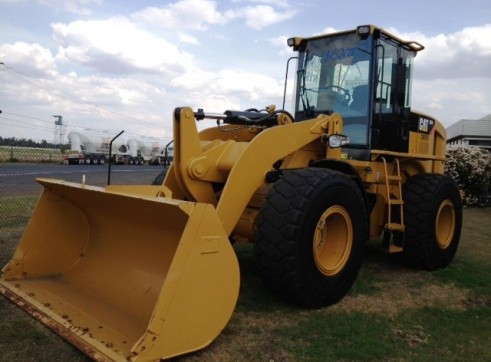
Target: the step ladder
pixel 394 201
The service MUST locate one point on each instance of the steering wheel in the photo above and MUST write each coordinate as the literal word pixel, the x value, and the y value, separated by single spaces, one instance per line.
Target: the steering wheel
pixel 343 95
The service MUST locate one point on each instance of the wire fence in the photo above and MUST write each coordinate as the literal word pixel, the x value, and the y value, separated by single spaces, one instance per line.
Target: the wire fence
pixel 30 154
pixel 21 166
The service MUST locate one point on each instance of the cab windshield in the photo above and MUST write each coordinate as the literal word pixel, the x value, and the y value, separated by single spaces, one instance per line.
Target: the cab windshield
pixel 334 76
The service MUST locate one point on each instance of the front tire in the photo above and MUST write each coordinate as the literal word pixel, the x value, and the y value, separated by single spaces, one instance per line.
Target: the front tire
pixel 310 236
pixel 433 219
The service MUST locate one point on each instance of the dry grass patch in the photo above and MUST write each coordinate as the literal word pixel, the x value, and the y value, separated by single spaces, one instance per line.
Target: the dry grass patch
pixel 249 336
pixel 400 290
pixel 394 299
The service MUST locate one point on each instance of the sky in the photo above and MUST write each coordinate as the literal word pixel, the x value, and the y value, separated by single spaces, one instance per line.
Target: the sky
pixel 107 66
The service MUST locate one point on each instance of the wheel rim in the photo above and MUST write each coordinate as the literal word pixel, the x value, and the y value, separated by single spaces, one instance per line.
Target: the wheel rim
pixel 445 224
pixel 333 240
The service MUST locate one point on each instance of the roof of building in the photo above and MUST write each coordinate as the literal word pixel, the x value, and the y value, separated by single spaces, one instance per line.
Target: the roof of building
pixel 470 127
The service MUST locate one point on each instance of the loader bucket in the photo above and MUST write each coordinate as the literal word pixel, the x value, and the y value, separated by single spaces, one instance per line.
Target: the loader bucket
pixel 124 276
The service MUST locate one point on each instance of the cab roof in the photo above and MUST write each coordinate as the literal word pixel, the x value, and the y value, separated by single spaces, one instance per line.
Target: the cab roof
pixel 363 31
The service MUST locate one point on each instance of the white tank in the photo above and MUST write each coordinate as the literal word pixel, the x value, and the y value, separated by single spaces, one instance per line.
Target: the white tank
pixel 145 149
pixel 95 144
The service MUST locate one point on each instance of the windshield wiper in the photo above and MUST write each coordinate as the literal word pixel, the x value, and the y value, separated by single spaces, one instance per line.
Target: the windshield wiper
pixel 309 111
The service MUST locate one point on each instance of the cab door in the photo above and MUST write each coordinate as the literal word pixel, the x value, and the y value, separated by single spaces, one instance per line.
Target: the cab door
pixel 392 108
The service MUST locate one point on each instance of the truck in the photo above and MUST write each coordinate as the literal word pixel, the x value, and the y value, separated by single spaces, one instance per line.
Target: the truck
pixel 93 150
pixel 141 152
pixel 352 162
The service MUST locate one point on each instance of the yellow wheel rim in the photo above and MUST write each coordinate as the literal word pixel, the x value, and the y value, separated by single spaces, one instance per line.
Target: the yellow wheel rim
pixel 445 224
pixel 333 240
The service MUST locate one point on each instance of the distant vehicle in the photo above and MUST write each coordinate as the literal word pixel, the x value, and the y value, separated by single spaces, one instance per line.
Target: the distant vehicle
pixel 94 150
pixel 141 152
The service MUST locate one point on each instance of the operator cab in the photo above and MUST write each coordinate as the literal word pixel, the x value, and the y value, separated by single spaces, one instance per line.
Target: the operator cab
pixel 364 75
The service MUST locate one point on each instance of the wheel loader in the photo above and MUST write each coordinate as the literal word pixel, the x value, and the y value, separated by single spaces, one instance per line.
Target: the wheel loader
pixel 351 162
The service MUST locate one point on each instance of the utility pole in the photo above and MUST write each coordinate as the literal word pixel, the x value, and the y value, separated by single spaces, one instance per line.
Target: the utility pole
pixel 60 130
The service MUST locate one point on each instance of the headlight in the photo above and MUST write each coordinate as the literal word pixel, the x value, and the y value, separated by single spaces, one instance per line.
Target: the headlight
pixel 363 30
pixel 337 140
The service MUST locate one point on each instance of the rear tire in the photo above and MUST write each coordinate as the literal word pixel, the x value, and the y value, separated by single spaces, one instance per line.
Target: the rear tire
pixel 433 219
pixel 310 237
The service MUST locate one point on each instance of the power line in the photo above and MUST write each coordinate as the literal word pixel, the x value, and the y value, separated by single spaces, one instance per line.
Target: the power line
pixel 61 95
pixel 25 124
pixel 29 117
pixel 64 96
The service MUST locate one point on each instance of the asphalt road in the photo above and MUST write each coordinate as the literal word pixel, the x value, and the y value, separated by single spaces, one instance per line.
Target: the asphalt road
pixel 20 179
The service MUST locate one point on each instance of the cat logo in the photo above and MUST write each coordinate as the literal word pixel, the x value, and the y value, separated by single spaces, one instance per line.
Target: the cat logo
pixel 425 125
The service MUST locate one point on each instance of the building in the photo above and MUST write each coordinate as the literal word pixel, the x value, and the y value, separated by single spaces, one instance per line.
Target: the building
pixel 471 132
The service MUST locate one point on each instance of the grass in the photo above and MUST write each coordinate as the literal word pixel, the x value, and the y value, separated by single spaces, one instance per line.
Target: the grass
pixel 30 154
pixel 16 211
pixel 25 340
pixel 392 313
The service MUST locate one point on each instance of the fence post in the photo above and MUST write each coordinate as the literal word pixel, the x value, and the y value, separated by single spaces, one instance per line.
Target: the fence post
pixel 110 156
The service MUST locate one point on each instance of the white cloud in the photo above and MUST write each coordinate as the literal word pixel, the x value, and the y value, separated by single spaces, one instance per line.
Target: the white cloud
pixel 281 42
pixel 121 53
pixel 118 49
pixel 116 45
pixel 278 3
pixel 199 15
pixel 260 16
pixel 136 65
pixel 181 15
pixel 80 7
pixel 188 39
pixel 463 54
pixel 452 99
pixel 328 30
pixel 227 81
pixel 240 88
pixel 31 60
pixel 32 85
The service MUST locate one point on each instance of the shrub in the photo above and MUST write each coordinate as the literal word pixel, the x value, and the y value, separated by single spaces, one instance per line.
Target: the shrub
pixel 470 167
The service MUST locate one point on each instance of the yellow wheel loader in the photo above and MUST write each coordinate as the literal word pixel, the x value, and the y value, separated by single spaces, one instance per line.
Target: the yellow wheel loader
pixel 352 162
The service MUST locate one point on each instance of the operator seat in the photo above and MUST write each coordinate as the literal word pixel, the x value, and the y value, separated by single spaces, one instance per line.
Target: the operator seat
pixel 359 101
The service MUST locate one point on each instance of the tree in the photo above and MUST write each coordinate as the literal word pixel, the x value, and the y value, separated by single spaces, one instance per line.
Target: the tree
pixel 470 167
pixel 22 142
